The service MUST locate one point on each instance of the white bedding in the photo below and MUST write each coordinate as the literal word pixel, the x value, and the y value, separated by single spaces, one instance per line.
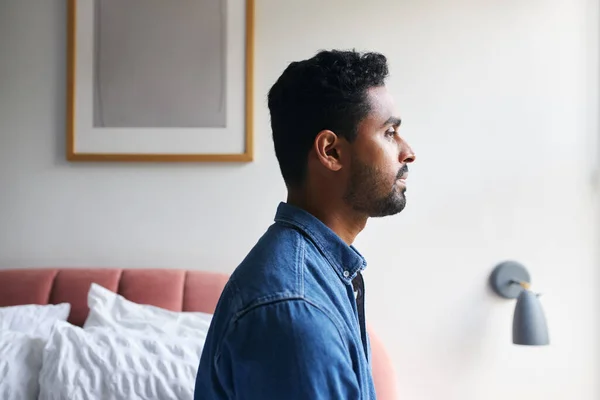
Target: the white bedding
pixel 125 351
pixel 115 364
pixel 33 319
pixel 109 309
pixel 20 364
pixel 24 330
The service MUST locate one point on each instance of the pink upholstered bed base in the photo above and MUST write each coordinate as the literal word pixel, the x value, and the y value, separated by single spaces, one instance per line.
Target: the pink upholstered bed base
pixel 176 290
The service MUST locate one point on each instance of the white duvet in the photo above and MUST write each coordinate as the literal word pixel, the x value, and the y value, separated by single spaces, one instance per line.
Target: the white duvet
pixel 23 333
pixel 125 350
pixel 20 363
pixel 112 364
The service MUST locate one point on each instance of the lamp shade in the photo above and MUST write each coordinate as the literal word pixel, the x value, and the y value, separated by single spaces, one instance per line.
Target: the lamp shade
pixel 529 322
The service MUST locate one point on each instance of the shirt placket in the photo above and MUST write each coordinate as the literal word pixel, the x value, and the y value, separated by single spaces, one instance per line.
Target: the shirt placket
pixel 358 285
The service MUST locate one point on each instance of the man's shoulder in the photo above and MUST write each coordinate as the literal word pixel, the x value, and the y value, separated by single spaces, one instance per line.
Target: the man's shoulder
pixel 272 269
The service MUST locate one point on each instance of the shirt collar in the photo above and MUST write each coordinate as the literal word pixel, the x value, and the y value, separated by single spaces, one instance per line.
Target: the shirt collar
pixel 345 259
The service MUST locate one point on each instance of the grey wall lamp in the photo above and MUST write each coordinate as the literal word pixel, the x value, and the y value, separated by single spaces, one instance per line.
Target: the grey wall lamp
pixel 511 280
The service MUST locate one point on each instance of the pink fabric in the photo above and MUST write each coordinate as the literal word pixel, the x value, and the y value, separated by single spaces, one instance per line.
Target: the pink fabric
pixel 26 286
pixel 158 287
pixel 72 286
pixel 202 290
pixel 177 290
pixel 384 374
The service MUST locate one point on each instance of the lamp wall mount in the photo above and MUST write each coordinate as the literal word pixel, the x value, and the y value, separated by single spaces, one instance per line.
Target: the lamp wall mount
pixel 509 279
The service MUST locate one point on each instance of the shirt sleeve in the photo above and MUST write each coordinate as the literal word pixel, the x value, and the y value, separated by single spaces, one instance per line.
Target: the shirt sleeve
pixel 287 350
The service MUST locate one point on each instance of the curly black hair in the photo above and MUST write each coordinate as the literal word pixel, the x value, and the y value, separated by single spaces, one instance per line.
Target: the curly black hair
pixel 327 91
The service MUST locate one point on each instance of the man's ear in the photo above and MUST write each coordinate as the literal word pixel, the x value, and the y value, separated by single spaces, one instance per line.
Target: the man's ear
pixel 330 150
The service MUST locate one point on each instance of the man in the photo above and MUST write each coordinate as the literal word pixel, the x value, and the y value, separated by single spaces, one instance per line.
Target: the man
pixel 290 322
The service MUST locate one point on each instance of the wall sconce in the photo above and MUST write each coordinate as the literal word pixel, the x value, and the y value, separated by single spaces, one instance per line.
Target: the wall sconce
pixel 512 281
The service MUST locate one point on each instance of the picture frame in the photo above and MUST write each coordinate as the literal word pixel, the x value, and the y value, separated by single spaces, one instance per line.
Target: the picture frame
pixel 139 91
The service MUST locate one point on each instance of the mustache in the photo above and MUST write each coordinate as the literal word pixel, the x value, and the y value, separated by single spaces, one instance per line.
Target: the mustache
pixel 403 170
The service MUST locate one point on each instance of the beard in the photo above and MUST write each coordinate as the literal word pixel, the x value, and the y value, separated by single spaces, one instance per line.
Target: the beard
pixel 369 191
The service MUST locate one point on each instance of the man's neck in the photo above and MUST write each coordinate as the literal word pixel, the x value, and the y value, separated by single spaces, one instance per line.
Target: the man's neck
pixel 340 218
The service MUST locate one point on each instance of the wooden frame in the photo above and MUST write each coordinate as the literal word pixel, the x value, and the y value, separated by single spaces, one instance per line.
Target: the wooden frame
pixel 74 126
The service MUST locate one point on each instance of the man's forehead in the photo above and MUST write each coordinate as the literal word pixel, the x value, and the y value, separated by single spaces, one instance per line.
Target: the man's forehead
pixel 382 103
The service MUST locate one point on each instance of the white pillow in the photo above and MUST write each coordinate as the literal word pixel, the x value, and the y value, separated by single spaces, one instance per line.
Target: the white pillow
pixel 112 364
pixel 33 319
pixel 109 309
pixel 20 364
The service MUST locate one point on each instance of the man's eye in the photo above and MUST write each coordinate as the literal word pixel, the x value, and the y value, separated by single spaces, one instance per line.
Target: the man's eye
pixel 391 131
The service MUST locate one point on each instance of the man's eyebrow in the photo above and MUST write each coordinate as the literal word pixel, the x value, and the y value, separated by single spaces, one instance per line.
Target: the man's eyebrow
pixel 394 121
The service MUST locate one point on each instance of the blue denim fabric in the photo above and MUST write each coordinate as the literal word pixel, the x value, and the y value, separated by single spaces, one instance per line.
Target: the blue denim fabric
pixel 287 324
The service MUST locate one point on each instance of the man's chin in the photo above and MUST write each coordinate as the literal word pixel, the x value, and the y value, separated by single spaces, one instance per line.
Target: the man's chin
pixel 392 207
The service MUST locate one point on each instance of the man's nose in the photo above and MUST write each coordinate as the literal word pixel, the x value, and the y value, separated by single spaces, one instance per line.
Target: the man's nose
pixel 407 155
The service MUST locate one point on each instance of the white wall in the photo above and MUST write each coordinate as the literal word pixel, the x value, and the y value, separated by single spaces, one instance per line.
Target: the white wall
pixel 499 100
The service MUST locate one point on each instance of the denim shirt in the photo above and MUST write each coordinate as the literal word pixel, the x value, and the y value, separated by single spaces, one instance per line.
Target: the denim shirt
pixel 287 324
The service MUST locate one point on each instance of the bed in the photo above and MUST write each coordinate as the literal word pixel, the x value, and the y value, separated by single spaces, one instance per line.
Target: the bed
pixel 174 290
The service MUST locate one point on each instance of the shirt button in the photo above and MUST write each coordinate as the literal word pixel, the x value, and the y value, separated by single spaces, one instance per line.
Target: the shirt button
pixel 346 274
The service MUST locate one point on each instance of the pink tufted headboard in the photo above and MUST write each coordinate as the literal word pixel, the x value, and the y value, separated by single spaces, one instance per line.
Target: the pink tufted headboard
pixel 173 289
pixel 176 290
